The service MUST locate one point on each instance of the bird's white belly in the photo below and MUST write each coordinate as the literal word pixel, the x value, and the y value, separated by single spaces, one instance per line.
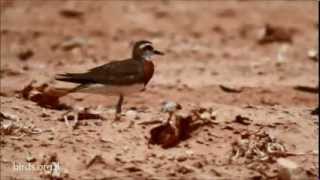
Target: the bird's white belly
pixel 112 89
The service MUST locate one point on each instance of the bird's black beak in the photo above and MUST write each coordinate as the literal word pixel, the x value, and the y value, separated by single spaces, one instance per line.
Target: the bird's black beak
pixel 158 52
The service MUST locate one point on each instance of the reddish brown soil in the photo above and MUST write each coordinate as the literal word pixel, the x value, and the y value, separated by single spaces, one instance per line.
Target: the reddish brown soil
pixel 208 44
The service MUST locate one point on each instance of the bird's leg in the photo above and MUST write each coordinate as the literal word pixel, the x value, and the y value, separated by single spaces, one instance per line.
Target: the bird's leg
pixel 119 104
pixel 118 108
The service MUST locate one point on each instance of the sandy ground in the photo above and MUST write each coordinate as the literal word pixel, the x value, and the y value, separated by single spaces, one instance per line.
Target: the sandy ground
pixel 231 59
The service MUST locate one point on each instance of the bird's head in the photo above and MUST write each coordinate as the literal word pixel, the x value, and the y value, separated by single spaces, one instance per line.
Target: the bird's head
pixel 144 50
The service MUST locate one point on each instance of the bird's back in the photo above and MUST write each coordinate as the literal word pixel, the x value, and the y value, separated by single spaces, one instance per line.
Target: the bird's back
pixel 114 73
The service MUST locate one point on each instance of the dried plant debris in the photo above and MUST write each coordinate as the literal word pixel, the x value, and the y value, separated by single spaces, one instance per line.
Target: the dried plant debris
pixel 313 54
pixel 54 170
pixel 230 89
pixel 71 12
pixel 30 158
pixel 256 146
pixel 133 168
pixel 42 96
pixel 270 33
pixel 75 42
pixel 19 128
pixel 150 122
pixel 87 113
pixel 97 159
pixel 315 111
pixel 308 89
pixel 8 128
pixel 9 116
pixel 204 114
pixel 179 127
pixel 171 133
pixel 25 54
pixel 170 106
pixel 242 120
pixel 74 115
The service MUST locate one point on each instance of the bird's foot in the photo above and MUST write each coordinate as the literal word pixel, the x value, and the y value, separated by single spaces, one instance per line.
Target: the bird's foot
pixel 117 117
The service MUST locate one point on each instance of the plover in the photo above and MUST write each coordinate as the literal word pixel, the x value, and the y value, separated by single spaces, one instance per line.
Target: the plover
pixel 118 78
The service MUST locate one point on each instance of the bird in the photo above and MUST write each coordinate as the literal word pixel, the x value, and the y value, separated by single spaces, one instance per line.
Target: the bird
pixel 118 77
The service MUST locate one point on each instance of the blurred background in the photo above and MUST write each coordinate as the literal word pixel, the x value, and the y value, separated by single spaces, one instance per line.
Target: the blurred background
pixel 206 43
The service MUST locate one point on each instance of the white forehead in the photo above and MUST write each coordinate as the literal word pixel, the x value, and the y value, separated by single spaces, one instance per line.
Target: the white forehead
pixel 141 46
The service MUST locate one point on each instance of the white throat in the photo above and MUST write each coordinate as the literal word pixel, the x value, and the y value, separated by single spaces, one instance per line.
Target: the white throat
pixel 147 55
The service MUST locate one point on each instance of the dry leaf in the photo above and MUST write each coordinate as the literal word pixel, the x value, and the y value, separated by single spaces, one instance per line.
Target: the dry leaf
pixel 43 96
pixel 72 43
pixel 71 12
pixel 25 54
pixel 315 111
pixel 271 33
pixel 179 128
pixel 313 54
pixel 170 134
pixel 96 159
pixel 231 89
pixel 307 88
pixel 242 120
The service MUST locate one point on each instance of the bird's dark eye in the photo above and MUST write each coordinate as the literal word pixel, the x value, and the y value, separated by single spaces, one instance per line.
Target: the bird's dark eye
pixel 148 48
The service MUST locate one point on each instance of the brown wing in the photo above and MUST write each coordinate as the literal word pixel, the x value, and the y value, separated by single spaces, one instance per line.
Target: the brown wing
pixel 115 73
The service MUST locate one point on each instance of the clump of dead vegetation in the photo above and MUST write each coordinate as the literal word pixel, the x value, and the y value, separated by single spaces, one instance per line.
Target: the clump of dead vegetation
pixel 179 125
pixel 256 146
pixel 12 125
pixel 44 96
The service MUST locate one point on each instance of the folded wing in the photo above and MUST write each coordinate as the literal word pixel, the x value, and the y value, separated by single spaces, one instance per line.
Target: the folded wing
pixel 115 73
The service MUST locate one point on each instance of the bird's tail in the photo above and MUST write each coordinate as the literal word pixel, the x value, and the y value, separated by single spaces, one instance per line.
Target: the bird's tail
pixel 79 78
